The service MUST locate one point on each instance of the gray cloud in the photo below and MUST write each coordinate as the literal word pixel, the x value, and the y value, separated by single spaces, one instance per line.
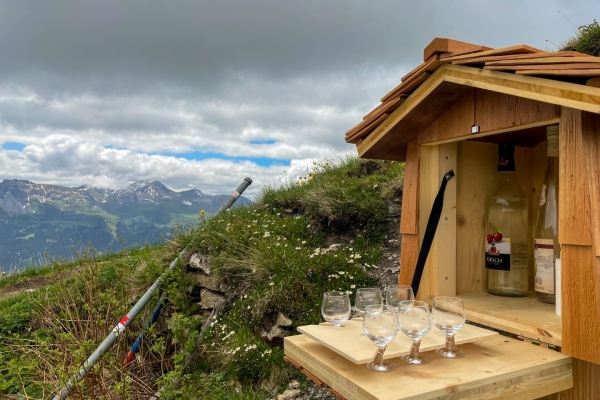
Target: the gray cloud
pixel 98 90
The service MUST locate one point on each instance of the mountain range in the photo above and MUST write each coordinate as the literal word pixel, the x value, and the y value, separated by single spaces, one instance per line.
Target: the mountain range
pixel 38 221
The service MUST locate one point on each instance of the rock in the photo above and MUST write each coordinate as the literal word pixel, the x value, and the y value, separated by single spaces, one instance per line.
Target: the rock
pixel 209 298
pixel 274 336
pixel 394 210
pixel 283 321
pixel 289 394
pixel 294 385
pixel 206 281
pixel 200 262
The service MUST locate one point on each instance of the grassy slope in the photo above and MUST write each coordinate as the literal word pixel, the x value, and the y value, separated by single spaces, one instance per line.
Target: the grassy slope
pixel 274 258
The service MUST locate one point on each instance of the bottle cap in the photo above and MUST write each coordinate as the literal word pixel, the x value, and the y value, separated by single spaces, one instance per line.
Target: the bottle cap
pixel 506 148
pixel 506 157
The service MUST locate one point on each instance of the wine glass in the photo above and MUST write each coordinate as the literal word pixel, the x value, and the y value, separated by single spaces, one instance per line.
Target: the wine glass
pixel 336 307
pixel 380 326
pixel 367 297
pixel 449 316
pixel 394 294
pixel 415 321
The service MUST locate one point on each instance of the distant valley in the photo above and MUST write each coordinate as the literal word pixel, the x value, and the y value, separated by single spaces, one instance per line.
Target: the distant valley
pixel 36 219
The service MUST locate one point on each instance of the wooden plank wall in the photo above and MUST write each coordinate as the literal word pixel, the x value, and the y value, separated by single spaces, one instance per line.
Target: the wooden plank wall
pixel 498 111
pixel 492 111
pixel 579 139
pixel 475 178
pixel 474 163
pixel 580 280
pixel 439 277
pixel 409 217
pixel 476 175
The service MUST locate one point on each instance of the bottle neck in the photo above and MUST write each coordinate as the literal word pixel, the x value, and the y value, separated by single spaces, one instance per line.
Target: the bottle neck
pixel 507 185
pixel 506 162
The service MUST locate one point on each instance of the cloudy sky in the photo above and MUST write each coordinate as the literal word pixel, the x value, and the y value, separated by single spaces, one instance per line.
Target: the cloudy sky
pixel 200 94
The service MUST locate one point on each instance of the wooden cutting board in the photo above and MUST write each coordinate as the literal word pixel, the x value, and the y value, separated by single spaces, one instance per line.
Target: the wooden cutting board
pixel 350 341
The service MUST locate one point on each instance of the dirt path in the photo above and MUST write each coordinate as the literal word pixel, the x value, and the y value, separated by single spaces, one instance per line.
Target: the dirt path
pixel 36 282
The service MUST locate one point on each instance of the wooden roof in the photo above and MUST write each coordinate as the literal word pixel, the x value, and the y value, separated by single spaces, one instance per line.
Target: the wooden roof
pixel 451 67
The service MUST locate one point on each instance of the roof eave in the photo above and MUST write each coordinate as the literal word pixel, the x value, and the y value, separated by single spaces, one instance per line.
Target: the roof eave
pixel 397 124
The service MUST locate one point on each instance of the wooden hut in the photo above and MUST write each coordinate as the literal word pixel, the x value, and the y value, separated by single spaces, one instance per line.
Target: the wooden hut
pixel 508 94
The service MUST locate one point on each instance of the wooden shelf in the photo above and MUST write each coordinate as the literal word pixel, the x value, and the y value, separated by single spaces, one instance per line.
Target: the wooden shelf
pixel 499 367
pixel 519 315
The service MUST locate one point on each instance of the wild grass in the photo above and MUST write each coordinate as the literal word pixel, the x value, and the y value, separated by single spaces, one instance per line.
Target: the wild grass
pixel 46 334
pixel 323 232
pixel 586 40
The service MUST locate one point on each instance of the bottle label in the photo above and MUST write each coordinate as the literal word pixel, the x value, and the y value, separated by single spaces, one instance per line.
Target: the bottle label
pixel 544 266
pixel 497 255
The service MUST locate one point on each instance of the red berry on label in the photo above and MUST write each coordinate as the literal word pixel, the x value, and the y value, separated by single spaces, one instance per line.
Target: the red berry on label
pixel 489 238
pixel 497 237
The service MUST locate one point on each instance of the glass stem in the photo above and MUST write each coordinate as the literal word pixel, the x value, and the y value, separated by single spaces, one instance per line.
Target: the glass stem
pixel 450 345
pixel 414 349
pixel 379 355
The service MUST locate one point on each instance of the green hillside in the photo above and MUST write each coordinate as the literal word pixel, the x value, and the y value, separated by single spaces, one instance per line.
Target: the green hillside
pixel 275 256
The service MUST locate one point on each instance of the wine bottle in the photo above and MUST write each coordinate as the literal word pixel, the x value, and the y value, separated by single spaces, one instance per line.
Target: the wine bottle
pixel 507 239
pixel 546 247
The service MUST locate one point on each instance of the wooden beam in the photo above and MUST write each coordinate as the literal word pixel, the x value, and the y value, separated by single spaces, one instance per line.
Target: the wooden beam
pixel 419 110
pixel 591 162
pixel 409 252
pixel 431 141
pixel 580 312
pixel 399 113
pixel 574 226
pixel 389 139
pixel 409 217
pixel 545 90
